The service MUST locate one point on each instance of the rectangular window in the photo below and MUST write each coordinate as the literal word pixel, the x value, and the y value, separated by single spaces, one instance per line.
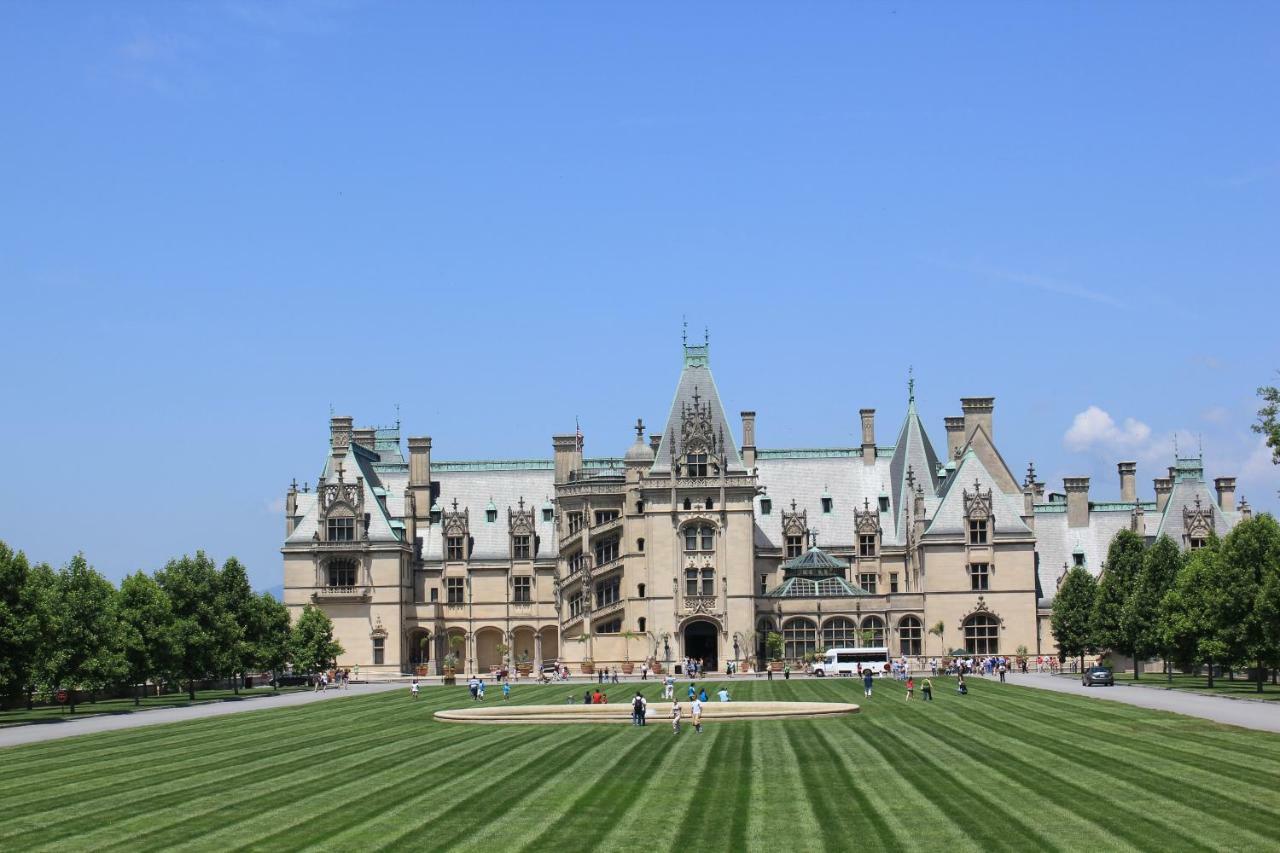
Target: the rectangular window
pixel 548 514
pixel 978 531
pixel 795 546
pixel 342 529
pixel 575 522
pixel 576 561
pixel 696 465
pixel 455 591
pixel 766 506
pixel 867 545
pixel 435 593
pixel 455 548
pixel 520 547
pixel 764 584
pixel 979 576
pixel 1195 544
pixel 884 503
pixel 522 590
pixel 342 574
pixel 867 581
pixel 604 516
pixel 379 650
pixel 490 516
pixel 613 626
pixel 708 582
pixel 606 551
pixel 575 604
pixel 893 582
pixel 827 505
pixel 691 582
pixel 607 592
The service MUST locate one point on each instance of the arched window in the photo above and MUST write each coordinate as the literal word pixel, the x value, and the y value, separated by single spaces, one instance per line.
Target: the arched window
pixel 699 538
pixel 640 544
pixel 909 635
pixel 641 624
pixel 839 633
pixel 799 637
pixel 639 506
pixel 710 504
pixel 688 504
pixel 641 590
pixel 982 634
pixel 872 632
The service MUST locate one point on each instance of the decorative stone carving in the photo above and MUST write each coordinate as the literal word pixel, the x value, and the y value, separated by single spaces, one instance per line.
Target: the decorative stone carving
pixel 702 604
pixel 457 523
pixel 520 521
pixel 1197 520
pixel 795 523
pixel 978 504
pixel 867 520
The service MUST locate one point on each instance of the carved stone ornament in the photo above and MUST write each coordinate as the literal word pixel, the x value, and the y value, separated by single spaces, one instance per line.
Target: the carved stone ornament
pixel 981 607
pixel 977 505
pixel 1197 520
pixel 867 519
pixel 520 521
pixel 703 604
pixel 378 631
pixel 697 429
pixel 795 523
pixel 457 523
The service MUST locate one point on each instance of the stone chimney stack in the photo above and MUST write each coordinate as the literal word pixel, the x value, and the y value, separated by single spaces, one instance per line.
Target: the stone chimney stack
pixel 339 434
pixel 868 436
pixel 363 436
pixel 655 441
pixel 955 436
pixel 1226 488
pixel 748 439
pixel 977 413
pixel 1164 485
pixel 290 508
pixel 917 512
pixel 1246 511
pixel 568 456
pixel 1077 489
pixel 1128 481
pixel 420 475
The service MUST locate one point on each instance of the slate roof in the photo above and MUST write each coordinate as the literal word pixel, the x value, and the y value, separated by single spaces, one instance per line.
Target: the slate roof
pixel 696 378
pixel 474 489
pixel 1056 543
pixel 949 518
pixel 913 451
pixel 843 477
pixel 356 462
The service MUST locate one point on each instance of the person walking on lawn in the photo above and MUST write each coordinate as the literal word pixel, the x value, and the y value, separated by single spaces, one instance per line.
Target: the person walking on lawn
pixel 867 681
pixel 911 688
pixel 675 717
pixel 926 690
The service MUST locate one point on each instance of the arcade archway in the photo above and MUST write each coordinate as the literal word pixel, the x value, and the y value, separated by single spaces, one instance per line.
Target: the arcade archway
pixel 701 642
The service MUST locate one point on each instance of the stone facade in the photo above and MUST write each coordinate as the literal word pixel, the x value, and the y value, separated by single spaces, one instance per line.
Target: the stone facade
pixel 692 544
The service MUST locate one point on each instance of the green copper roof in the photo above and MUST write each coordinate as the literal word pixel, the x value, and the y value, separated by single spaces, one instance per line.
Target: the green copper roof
pixel 814 563
pixel 832 587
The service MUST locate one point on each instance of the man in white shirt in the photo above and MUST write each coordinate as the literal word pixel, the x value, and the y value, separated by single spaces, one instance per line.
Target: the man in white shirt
pixel 696 708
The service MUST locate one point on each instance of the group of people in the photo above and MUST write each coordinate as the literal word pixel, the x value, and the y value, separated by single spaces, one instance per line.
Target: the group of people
pixel 339 678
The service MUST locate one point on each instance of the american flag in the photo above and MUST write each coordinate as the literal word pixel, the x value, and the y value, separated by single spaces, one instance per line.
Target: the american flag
pixel 578 427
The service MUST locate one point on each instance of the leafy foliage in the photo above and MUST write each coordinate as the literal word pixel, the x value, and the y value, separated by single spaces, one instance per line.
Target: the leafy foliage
pixel 1119 576
pixel 1140 617
pixel 1073 610
pixel 1269 419
pixel 313 647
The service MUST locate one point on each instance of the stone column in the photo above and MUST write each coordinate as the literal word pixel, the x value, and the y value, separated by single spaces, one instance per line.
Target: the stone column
pixel 537 650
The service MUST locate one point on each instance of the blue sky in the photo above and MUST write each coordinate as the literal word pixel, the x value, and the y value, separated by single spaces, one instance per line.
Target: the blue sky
pixel 220 219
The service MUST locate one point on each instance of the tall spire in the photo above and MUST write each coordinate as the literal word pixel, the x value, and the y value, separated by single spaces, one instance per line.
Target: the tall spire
pixel 911 384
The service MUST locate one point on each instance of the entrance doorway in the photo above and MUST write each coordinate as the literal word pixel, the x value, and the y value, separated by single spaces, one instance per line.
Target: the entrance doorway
pixel 700 642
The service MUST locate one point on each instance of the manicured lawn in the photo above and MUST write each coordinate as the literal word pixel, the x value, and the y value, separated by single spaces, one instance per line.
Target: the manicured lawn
pixel 58 713
pixel 1222 686
pixel 1004 768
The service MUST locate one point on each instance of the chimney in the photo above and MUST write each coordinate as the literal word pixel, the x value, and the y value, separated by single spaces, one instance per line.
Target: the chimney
pixel 1246 511
pixel 1077 489
pixel 655 441
pixel 1128 481
pixel 1226 489
pixel 977 413
pixel 339 434
pixel 420 475
pixel 748 439
pixel 868 436
pixel 290 508
pixel 363 436
pixel 568 456
pixel 1164 485
pixel 955 436
pixel 917 512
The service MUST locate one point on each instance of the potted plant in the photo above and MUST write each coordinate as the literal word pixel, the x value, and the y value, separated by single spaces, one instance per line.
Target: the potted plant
pixel 421 669
pixel 450 667
pixel 627 666
pixel 773 643
pixel 588 665
pixel 937 630
pixel 523 665
pixel 502 650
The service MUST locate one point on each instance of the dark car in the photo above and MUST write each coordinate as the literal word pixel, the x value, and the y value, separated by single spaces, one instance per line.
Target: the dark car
pixel 1097 675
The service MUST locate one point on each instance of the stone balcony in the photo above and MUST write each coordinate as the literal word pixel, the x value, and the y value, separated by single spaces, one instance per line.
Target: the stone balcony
pixel 339 594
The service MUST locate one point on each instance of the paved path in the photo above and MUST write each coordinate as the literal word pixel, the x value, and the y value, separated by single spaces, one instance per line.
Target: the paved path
pixel 1261 715
pixel 15 735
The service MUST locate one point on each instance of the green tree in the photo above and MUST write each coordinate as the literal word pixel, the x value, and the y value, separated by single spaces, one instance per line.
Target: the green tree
pixel 236 621
pixel 1072 618
pixel 84 647
pixel 19 626
pixel 1141 615
pixel 1191 615
pixel 38 601
pixel 146 623
pixel 1119 575
pixel 1269 420
pixel 197 629
pixel 272 634
pixel 1250 556
pixel 313 645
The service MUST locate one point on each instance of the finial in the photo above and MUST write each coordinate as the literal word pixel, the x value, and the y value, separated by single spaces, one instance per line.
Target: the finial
pixel 866 504
pixel 706 336
pixel 696 398
pixel 293 487
pixel 1175 446
pixel 331 410
pixel 397 416
pixel 455 504
pixel 639 429
pixel 793 504
pixel 306 486
pixel 911 476
pixel 684 330
pixel 1031 475
pixel 911 384
pixel 520 503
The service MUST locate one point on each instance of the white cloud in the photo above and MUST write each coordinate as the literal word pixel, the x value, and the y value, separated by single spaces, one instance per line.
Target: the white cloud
pixel 1095 429
pixel 275 507
pixel 1216 415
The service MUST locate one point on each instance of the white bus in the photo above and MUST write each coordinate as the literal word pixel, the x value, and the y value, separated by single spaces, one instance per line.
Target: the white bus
pixel 850 661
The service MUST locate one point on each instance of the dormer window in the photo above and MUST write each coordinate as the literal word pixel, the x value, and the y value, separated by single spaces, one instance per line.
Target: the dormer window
pixel 1195 543
pixel 520 547
pixel 491 515
pixel 884 503
pixel 794 547
pixel 978 531
pixel 827 505
pixel 766 506
pixel 455 548
pixel 867 545
pixel 342 529
pixel 1078 556
pixel 696 465
pixel 435 514
pixel 548 514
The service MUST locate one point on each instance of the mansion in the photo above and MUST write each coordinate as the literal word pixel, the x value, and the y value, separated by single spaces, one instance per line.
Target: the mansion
pixel 698 543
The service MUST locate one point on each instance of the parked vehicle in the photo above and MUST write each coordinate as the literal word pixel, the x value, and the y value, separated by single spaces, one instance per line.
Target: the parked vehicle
pixel 1097 675
pixel 850 661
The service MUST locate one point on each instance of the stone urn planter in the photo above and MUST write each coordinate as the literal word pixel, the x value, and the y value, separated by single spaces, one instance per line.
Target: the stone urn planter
pixel 524 669
pixel 588 667
pixel 775 665
pixel 628 667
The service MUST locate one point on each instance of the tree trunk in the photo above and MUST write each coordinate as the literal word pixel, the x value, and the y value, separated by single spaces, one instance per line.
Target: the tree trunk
pixel 235 683
pixel 1168 669
pixel 1262 674
pixel 191 689
pixel 1210 673
pixel 137 695
pixel 1137 667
